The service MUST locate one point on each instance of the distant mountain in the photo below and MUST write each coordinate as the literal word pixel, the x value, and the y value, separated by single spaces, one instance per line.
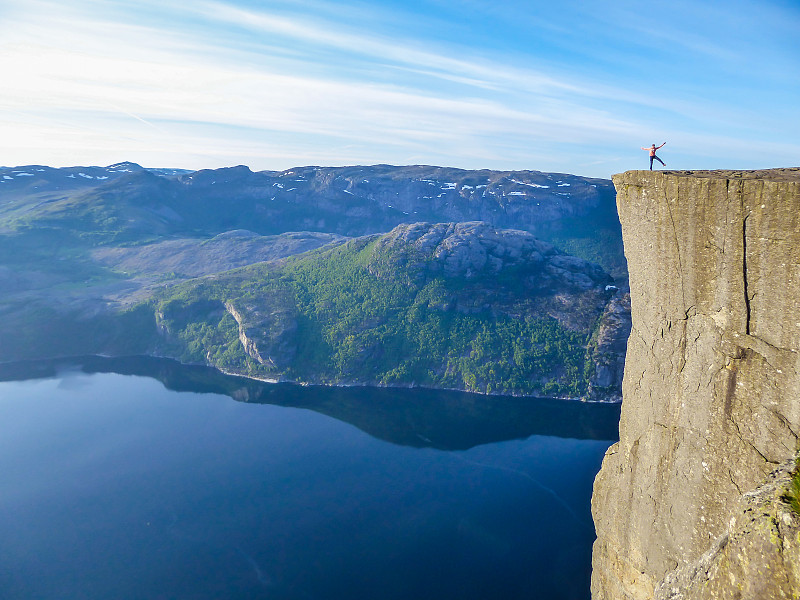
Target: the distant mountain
pixel 124 203
pixel 88 255
pixel 20 182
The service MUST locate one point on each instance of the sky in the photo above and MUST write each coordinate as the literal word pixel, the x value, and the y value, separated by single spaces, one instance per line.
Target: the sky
pixel 568 86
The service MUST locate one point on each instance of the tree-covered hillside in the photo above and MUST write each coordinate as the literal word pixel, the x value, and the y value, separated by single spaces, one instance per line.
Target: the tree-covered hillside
pixel 461 306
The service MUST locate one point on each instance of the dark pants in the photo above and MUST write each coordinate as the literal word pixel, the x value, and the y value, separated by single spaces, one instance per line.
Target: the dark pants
pixel 658 159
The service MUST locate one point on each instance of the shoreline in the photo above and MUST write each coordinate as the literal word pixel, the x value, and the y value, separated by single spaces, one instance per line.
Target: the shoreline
pixel 280 381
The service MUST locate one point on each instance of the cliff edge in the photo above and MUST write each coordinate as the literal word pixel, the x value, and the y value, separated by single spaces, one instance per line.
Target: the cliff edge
pixel 692 501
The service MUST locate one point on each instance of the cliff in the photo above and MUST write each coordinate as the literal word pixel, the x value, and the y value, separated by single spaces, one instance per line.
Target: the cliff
pixel 693 501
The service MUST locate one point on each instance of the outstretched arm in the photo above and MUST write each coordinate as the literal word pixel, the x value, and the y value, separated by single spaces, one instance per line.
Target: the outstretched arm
pixel 657 147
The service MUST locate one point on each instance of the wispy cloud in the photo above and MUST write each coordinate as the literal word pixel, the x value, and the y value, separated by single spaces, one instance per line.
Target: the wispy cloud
pixel 407 53
pixel 274 87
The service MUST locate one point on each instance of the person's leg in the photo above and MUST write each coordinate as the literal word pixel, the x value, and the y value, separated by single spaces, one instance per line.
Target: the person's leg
pixel 659 160
pixel 651 162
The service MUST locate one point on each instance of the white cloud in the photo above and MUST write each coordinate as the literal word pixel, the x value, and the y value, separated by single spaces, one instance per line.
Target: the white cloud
pixel 235 85
pixel 61 76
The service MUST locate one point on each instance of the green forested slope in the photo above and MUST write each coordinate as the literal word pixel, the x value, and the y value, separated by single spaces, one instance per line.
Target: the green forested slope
pixel 351 314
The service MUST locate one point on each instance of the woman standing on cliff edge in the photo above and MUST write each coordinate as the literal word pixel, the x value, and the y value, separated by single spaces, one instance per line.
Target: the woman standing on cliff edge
pixel 652 149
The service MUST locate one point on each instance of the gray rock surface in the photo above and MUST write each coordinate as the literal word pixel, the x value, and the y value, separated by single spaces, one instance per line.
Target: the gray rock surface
pixel 498 267
pixel 476 248
pixel 757 556
pixel 711 391
pixel 608 349
pixel 267 335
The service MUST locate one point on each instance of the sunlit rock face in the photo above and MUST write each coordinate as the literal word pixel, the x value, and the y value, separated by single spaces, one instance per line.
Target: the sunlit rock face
pixel 711 391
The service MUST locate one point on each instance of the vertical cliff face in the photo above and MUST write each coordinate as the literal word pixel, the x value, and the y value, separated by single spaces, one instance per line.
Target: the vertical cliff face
pixel 711 391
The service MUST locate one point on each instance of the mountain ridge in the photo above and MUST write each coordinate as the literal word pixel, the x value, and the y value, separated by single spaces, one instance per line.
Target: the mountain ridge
pixel 107 242
pixel 348 201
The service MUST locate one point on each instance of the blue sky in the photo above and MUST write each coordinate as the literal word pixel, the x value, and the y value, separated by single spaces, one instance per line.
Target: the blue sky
pixel 574 86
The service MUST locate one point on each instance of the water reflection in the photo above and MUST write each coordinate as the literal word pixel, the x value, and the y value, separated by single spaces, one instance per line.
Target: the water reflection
pixel 116 487
pixel 446 420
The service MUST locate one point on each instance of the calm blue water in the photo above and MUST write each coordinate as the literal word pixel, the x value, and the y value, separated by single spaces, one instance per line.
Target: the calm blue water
pixel 115 486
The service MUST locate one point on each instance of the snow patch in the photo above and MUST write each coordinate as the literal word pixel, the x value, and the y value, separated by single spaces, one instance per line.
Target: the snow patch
pixel 84 175
pixel 533 185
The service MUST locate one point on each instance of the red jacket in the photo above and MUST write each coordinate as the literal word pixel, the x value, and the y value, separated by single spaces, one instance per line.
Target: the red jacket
pixel 653 149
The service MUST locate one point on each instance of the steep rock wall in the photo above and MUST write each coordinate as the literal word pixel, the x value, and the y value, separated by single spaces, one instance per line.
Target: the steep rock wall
pixel 711 391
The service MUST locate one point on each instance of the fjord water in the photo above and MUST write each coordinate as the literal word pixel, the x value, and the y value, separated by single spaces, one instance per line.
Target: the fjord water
pixel 141 478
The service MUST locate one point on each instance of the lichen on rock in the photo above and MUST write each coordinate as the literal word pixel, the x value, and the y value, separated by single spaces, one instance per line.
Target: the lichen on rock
pixel 757 555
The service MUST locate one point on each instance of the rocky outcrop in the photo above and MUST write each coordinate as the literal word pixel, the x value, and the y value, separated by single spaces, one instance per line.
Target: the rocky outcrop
pixel 757 556
pixel 472 249
pixel 499 267
pixel 607 350
pixel 266 330
pixel 711 391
